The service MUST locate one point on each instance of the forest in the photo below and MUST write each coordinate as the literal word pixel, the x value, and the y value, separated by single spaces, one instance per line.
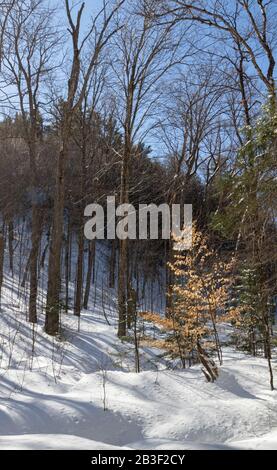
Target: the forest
pixel 133 343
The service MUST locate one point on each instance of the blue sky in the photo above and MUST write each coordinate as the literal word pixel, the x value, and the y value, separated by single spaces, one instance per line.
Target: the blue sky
pixel 91 8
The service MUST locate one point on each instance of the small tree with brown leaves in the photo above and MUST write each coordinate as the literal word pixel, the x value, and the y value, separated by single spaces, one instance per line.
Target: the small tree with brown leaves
pixel 200 294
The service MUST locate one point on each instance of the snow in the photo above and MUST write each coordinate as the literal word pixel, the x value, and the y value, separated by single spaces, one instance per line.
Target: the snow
pixel 54 398
pixel 51 442
pixel 61 406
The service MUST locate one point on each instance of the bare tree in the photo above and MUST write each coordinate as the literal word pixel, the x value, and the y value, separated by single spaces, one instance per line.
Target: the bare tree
pixel 2 253
pixel 248 23
pixel 31 43
pixel 85 130
pixel 192 134
pixel 146 53
pixel 96 38
pixel 6 7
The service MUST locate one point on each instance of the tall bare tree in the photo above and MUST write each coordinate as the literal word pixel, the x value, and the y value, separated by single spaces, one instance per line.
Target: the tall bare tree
pixel 146 54
pixel 30 47
pixel 97 37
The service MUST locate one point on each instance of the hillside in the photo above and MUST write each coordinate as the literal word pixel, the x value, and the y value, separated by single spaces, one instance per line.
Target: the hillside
pixel 54 398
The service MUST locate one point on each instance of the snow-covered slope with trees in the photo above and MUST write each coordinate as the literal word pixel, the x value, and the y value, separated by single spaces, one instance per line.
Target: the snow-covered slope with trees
pixel 81 392
pixel 124 322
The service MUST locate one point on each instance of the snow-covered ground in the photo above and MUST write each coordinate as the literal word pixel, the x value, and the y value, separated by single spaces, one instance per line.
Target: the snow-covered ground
pixel 56 400
pixel 81 392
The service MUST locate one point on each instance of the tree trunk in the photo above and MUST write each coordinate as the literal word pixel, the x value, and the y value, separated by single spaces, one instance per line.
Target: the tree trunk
pixel 67 264
pixel 91 258
pixel 267 347
pixel 26 272
pixel 2 253
pixel 36 237
pixel 10 241
pixel 123 249
pixel 54 269
pixel 122 288
pixel 79 279
pixel 209 368
pixel 169 281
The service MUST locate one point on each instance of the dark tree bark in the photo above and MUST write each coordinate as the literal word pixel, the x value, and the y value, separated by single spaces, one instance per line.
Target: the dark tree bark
pixel 37 219
pixel 90 269
pixel 67 261
pixel 2 252
pixel 10 243
pixel 79 276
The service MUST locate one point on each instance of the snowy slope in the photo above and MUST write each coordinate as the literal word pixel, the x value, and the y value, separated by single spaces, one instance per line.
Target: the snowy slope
pixel 48 404
pixel 53 392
